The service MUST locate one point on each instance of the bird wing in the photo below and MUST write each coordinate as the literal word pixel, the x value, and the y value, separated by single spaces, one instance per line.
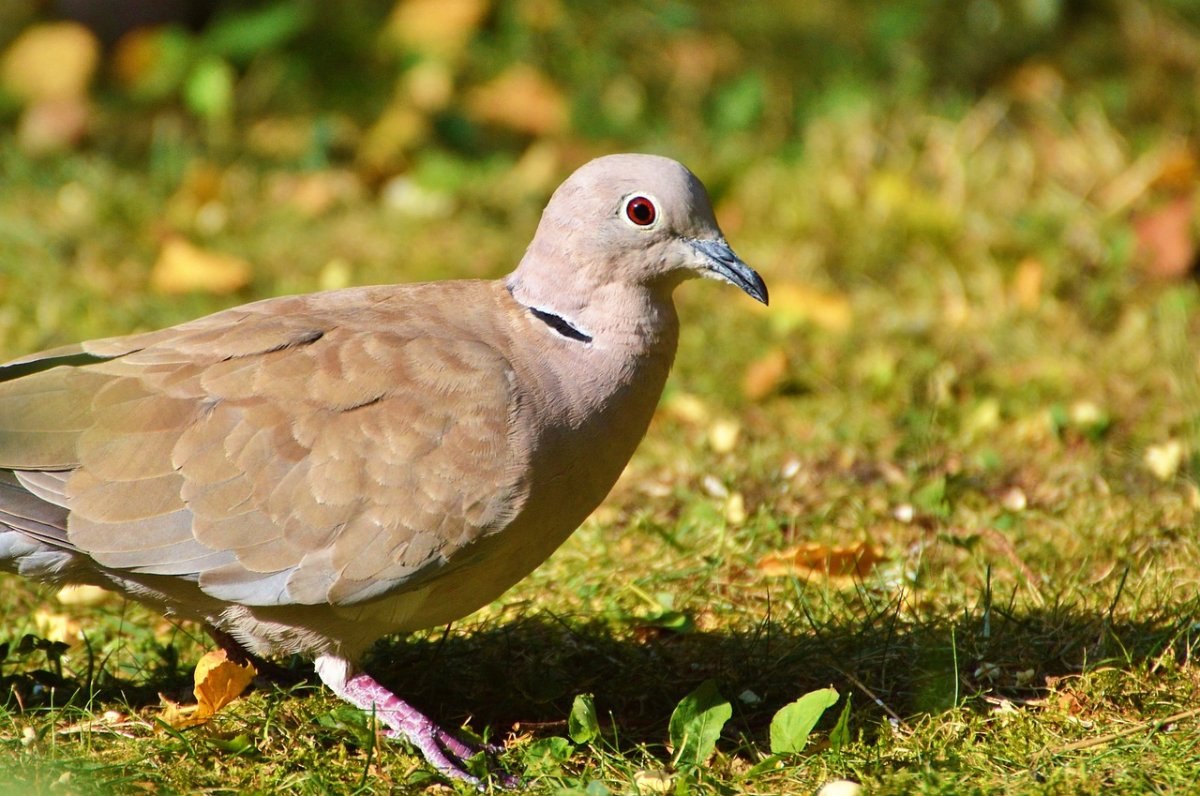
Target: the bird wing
pixel 305 450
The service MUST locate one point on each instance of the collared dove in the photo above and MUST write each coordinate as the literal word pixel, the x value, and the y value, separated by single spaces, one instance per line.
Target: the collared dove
pixel 307 474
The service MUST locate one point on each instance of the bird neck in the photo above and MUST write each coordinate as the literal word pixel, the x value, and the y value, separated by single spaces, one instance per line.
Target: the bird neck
pixel 606 314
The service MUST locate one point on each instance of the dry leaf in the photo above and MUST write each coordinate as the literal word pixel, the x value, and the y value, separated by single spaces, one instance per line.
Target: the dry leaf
pixel 687 408
pixel 83 596
pixel 1027 283
pixel 735 510
pixel 794 305
pixel 314 193
pixel 53 125
pixel 54 626
pixel 218 680
pixel 521 99
pixel 1178 172
pixel 765 375
pixel 841 787
pixel 723 435
pixel 653 781
pixel 1164 459
pixel 438 28
pixel 840 563
pixel 184 268
pixel 50 62
pixel 695 60
pixel 1166 240
pixel 399 129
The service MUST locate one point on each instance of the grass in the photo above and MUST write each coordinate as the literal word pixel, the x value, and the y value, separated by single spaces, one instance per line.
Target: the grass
pixel 976 362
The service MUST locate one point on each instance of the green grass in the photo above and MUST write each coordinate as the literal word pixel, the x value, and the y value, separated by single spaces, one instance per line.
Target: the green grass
pixel 1035 616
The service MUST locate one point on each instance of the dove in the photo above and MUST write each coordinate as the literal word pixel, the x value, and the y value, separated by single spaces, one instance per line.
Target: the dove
pixel 307 474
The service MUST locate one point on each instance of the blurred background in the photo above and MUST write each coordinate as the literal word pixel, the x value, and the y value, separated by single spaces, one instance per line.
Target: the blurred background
pixel 208 147
pixel 978 221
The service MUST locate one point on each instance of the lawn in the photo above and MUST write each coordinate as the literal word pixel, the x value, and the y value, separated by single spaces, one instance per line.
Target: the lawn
pixel 978 223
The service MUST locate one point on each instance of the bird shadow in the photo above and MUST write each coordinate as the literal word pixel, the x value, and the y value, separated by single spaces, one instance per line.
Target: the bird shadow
pixel 524 673
pixel 521 673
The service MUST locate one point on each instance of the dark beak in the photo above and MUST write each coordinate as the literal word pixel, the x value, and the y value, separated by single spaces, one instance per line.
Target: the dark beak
pixel 719 262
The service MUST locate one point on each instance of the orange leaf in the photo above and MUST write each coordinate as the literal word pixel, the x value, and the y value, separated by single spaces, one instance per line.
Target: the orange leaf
pixel 521 99
pixel 53 61
pixel 764 375
pixel 219 681
pixel 1166 240
pixel 846 563
pixel 436 27
pixel 184 268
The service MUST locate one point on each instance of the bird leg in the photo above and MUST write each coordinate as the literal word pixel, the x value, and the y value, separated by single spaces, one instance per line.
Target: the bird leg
pixel 445 752
pixel 237 653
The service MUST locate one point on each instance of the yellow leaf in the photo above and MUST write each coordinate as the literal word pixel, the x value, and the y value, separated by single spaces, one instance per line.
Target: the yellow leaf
pixel 794 305
pixel 50 62
pixel 83 596
pixel 184 268
pixel 180 716
pixel 723 435
pixel 765 375
pixel 1027 283
pixel 522 99
pixel 841 564
pixel 53 125
pixel 219 681
pixel 436 27
pixel 54 626
pixel 1164 459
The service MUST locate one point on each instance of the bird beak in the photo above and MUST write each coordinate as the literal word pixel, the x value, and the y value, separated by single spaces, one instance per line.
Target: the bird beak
pixel 718 261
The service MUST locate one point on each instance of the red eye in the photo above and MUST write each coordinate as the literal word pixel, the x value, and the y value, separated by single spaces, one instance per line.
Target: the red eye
pixel 641 211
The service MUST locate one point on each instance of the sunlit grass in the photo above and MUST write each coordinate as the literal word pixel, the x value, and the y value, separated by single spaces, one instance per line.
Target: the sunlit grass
pixel 975 371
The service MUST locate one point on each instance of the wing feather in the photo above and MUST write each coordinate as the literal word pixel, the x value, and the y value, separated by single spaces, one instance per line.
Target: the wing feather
pixel 328 448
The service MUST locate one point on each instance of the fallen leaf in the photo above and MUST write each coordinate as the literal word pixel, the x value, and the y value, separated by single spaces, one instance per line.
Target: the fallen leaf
pixel 846 563
pixel 83 596
pixel 735 509
pixel 314 193
pixel 184 268
pixel 1178 170
pixel 840 787
pixel 218 681
pixel 151 62
pixel 53 125
pixel 1166 240
pixel 765 375
pixel 1164 459
pixel 1027 283
pixel 521 99
pixel 695 60
pixel 687 408
pixel 52 61
pixel 54 626
pixel 723 435
pixel 794 305
pixel 439 28
pixel 400 129
pixel 653 781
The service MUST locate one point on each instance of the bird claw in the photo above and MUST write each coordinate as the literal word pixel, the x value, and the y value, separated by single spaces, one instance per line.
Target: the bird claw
pixel 445 752
pixel 449 754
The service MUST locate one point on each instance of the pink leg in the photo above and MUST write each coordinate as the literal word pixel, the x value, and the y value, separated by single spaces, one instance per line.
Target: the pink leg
pixel 442 750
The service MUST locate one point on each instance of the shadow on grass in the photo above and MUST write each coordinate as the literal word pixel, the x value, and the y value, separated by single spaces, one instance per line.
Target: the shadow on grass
pixel 527 670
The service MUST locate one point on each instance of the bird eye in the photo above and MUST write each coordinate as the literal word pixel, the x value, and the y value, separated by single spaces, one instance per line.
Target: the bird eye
pixel 641 211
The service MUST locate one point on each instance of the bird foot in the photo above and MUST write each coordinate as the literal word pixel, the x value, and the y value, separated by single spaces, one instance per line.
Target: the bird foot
pixel 442 750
